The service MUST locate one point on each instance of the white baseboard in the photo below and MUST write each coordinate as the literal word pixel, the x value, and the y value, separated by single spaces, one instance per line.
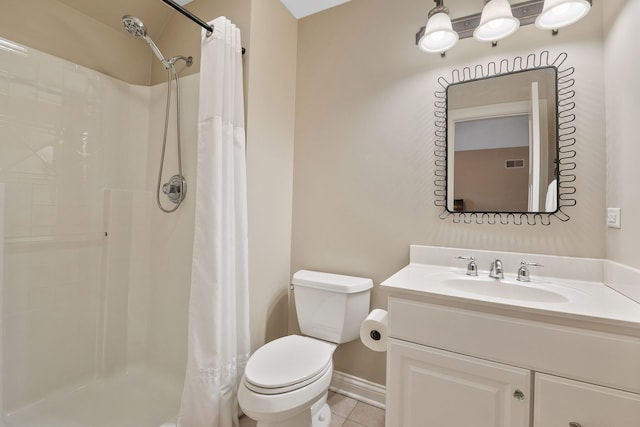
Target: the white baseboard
pixel 359 389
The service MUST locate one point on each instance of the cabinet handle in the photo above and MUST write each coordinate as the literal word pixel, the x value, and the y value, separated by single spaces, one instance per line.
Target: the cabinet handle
pixel 572 424
pixel 519 395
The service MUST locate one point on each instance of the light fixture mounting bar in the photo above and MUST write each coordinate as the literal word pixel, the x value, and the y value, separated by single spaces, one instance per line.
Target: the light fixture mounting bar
pixel 526 12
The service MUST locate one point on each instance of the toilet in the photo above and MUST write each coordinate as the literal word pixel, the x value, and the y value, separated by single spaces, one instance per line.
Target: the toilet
pixel 286 381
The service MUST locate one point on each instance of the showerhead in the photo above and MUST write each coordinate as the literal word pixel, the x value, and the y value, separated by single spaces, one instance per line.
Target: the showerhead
pixel 134 26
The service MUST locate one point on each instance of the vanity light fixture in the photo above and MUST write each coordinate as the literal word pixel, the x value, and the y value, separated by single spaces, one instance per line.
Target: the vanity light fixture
pixel 497 20
pixel 438 36
pixel 561 13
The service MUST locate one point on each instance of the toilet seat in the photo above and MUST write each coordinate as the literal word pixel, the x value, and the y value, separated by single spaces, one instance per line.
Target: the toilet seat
pixel 287 364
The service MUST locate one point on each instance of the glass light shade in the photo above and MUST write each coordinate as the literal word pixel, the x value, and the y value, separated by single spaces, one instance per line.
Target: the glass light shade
pixel 560 13
pixel 496 22
pixel 439 35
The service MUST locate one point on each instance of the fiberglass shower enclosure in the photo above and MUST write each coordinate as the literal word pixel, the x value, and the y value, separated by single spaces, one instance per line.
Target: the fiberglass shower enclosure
pixel 95 279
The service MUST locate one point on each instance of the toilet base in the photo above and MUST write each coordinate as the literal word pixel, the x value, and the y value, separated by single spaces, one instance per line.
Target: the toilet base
pixel 319 415
pixel 323 417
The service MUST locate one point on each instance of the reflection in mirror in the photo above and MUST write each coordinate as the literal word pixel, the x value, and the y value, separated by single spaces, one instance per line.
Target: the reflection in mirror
pixel 504 141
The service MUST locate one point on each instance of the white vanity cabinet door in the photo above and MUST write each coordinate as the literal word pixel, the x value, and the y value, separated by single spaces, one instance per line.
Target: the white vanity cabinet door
pixel 560 402
pixel 427 387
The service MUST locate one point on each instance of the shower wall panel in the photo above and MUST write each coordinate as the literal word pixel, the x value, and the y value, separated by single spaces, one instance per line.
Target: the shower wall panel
pixel 66 134
pixel 125 312
pixel 172 237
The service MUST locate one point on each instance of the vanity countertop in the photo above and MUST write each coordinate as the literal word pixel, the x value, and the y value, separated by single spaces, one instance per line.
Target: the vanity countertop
pixel 584 301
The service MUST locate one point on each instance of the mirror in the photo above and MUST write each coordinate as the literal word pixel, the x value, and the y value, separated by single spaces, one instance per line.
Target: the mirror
pixel 502 150
pixel 505 105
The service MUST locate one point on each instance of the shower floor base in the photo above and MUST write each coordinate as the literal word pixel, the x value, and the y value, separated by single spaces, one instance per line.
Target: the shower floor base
pixel 135 399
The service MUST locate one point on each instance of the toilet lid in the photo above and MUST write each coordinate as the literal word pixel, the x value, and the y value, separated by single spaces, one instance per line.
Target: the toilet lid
pixel 287 364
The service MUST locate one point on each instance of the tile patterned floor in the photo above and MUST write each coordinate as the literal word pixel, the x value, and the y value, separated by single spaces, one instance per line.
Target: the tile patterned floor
pixel 345 412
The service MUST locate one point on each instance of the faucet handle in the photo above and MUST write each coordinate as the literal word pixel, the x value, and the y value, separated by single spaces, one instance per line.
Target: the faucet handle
pixel 523 271
pixel 472 267
pixel 532 264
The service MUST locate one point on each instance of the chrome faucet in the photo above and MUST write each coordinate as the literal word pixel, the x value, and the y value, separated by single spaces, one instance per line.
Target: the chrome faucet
pixel 496 270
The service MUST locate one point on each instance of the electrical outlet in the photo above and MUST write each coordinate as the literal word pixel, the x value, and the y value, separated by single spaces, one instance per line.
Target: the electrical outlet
pixel 613 217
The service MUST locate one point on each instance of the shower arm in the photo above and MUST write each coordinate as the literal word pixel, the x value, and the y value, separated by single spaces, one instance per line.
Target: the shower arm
pixel 193 17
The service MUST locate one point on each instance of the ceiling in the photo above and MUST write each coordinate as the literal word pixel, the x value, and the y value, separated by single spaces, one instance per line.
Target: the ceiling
pixel 302 8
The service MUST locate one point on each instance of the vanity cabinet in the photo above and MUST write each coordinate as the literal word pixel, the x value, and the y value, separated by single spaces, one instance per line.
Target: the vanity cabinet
pixel 561 402
pixel 429 387
pixel 453 367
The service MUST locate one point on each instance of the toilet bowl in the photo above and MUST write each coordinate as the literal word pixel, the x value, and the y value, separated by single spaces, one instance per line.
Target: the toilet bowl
pixel 286 381
pixel 286 377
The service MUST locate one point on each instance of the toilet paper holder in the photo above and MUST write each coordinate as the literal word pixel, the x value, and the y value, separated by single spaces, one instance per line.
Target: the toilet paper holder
pixel 375 335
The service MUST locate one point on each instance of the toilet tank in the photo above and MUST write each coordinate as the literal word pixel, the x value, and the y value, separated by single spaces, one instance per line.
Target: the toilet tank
pixel 330 306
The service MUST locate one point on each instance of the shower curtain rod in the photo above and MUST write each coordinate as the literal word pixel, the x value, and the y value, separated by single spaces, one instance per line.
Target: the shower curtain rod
pixel 193 17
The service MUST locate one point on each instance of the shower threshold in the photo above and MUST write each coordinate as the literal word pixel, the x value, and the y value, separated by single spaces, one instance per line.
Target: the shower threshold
pixel 138 398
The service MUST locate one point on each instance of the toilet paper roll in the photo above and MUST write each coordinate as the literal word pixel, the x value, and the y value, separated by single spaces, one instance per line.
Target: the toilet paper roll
pixel 373 331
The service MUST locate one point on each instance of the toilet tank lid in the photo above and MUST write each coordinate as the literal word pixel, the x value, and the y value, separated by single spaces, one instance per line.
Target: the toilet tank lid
pixel 331 281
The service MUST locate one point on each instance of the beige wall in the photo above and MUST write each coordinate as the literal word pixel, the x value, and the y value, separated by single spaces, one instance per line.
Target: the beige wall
pixel 363 171
pixel 270 125
pixel 622 68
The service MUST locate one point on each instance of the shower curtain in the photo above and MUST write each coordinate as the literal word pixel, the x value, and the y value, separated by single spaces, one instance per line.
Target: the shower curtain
pixel 219 342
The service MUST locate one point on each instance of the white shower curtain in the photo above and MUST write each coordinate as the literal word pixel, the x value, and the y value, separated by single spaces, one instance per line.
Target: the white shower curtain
pixel 219 341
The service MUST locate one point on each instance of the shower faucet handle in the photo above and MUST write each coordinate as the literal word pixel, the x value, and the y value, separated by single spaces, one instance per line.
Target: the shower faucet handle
pixel 472 267
pixel 175 189
pixel 170 189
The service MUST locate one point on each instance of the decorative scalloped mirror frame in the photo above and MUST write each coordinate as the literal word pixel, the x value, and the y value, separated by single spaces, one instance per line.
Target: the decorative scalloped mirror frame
pixel 565 138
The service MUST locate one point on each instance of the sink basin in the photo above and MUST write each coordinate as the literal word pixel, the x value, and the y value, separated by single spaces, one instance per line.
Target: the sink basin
pixel 501 288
